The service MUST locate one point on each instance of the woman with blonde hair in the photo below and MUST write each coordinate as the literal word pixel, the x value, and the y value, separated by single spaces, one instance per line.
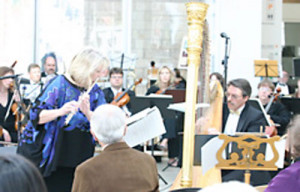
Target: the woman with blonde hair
pixel 53 143
pixel 168 142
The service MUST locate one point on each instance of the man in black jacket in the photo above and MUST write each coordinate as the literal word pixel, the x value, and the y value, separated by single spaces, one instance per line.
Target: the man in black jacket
pixel 116 83
pixel 238 115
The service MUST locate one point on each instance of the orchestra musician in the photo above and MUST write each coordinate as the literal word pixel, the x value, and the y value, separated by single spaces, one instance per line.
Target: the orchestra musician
pixel 9 132
pixel 168 142
pixel 49 67
pixel 240 116
pixel 277 111
pixel 116 86
pixel 286 89
pixel 57 147
pixel 32 87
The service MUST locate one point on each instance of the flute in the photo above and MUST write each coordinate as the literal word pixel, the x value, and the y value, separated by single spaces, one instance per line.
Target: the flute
pixel 70 115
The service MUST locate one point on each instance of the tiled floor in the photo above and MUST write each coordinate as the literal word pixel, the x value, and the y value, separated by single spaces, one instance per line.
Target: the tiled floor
pixel 168 175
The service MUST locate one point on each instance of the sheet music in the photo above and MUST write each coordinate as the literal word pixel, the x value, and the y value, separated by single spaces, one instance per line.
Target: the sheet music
pixel 144 126
pixel 262 109
pixel 209 154
pixel 181 106
pixel 280 147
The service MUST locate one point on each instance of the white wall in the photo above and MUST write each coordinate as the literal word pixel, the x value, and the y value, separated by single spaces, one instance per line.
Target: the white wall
pixel 241 20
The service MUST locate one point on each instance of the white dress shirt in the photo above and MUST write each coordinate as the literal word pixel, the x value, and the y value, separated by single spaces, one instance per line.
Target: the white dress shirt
pixel 283 87
pixel 232 121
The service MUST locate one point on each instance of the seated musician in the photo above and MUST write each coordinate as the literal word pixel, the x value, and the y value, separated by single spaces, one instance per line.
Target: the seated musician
pixel 168 142
pixel 116 86
pixel 32 87
pixel 277 111
pixel 286 89
pixel 238 114
pixel 7 124
pixel 49 67
pixel 118 167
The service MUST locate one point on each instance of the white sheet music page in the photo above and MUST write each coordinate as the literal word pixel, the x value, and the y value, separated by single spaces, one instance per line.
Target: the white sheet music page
pixel 145 126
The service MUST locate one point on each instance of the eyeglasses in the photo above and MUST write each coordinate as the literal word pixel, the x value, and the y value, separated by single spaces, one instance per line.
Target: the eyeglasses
pixel 267 89
pixel 233 96
pixel 116 77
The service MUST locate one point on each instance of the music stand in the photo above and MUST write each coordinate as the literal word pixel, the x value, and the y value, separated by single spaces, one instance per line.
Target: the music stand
pixel 292 104
pixel 266 68
pixel 143 102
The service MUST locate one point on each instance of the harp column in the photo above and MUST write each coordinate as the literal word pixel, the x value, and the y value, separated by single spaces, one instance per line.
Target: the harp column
pixel 196 13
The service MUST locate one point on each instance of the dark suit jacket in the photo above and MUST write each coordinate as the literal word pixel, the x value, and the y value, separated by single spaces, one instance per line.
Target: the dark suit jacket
pixel 279 114
pixel 117 168
pixel 109 96
pixel 250 119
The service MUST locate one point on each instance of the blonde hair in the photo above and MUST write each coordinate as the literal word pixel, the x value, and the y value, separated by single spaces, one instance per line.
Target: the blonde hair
pixel 171 81
pixel 84 64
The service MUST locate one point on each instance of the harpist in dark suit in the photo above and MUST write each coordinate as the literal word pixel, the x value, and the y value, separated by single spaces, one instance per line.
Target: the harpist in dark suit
pixel 239 116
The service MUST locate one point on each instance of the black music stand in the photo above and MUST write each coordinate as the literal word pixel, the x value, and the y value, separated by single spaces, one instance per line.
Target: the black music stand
pixel 292 104
pixel 142 102
pixel 266 68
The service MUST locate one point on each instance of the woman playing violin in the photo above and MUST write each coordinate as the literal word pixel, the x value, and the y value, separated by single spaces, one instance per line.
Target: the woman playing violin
pixel 6 95
pixel 54 146
pixel 278 113
pixel 116 87
pixel 166 81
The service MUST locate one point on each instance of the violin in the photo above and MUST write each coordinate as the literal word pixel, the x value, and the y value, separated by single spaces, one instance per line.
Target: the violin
pixel 122 98
pixel 160 91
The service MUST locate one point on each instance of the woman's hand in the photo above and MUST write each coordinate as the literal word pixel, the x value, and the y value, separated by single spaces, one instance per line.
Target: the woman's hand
pixel 84 106
pixel 69 107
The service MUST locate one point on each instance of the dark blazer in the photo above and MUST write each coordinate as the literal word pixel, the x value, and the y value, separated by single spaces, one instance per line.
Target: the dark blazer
pixel 109 96
pixel 117 168
pixel 279 114
pixel 250 119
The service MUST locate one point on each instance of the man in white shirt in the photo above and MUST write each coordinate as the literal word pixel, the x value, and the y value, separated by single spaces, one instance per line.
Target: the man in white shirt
pixel 31 88
pixel 238 115
pixel 285 89
pixel 116 83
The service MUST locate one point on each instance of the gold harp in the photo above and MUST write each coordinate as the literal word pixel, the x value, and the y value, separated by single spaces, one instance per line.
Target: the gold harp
pixel 196 13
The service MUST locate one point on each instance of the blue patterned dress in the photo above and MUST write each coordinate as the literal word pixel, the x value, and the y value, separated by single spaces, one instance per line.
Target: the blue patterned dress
pixel 55 144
